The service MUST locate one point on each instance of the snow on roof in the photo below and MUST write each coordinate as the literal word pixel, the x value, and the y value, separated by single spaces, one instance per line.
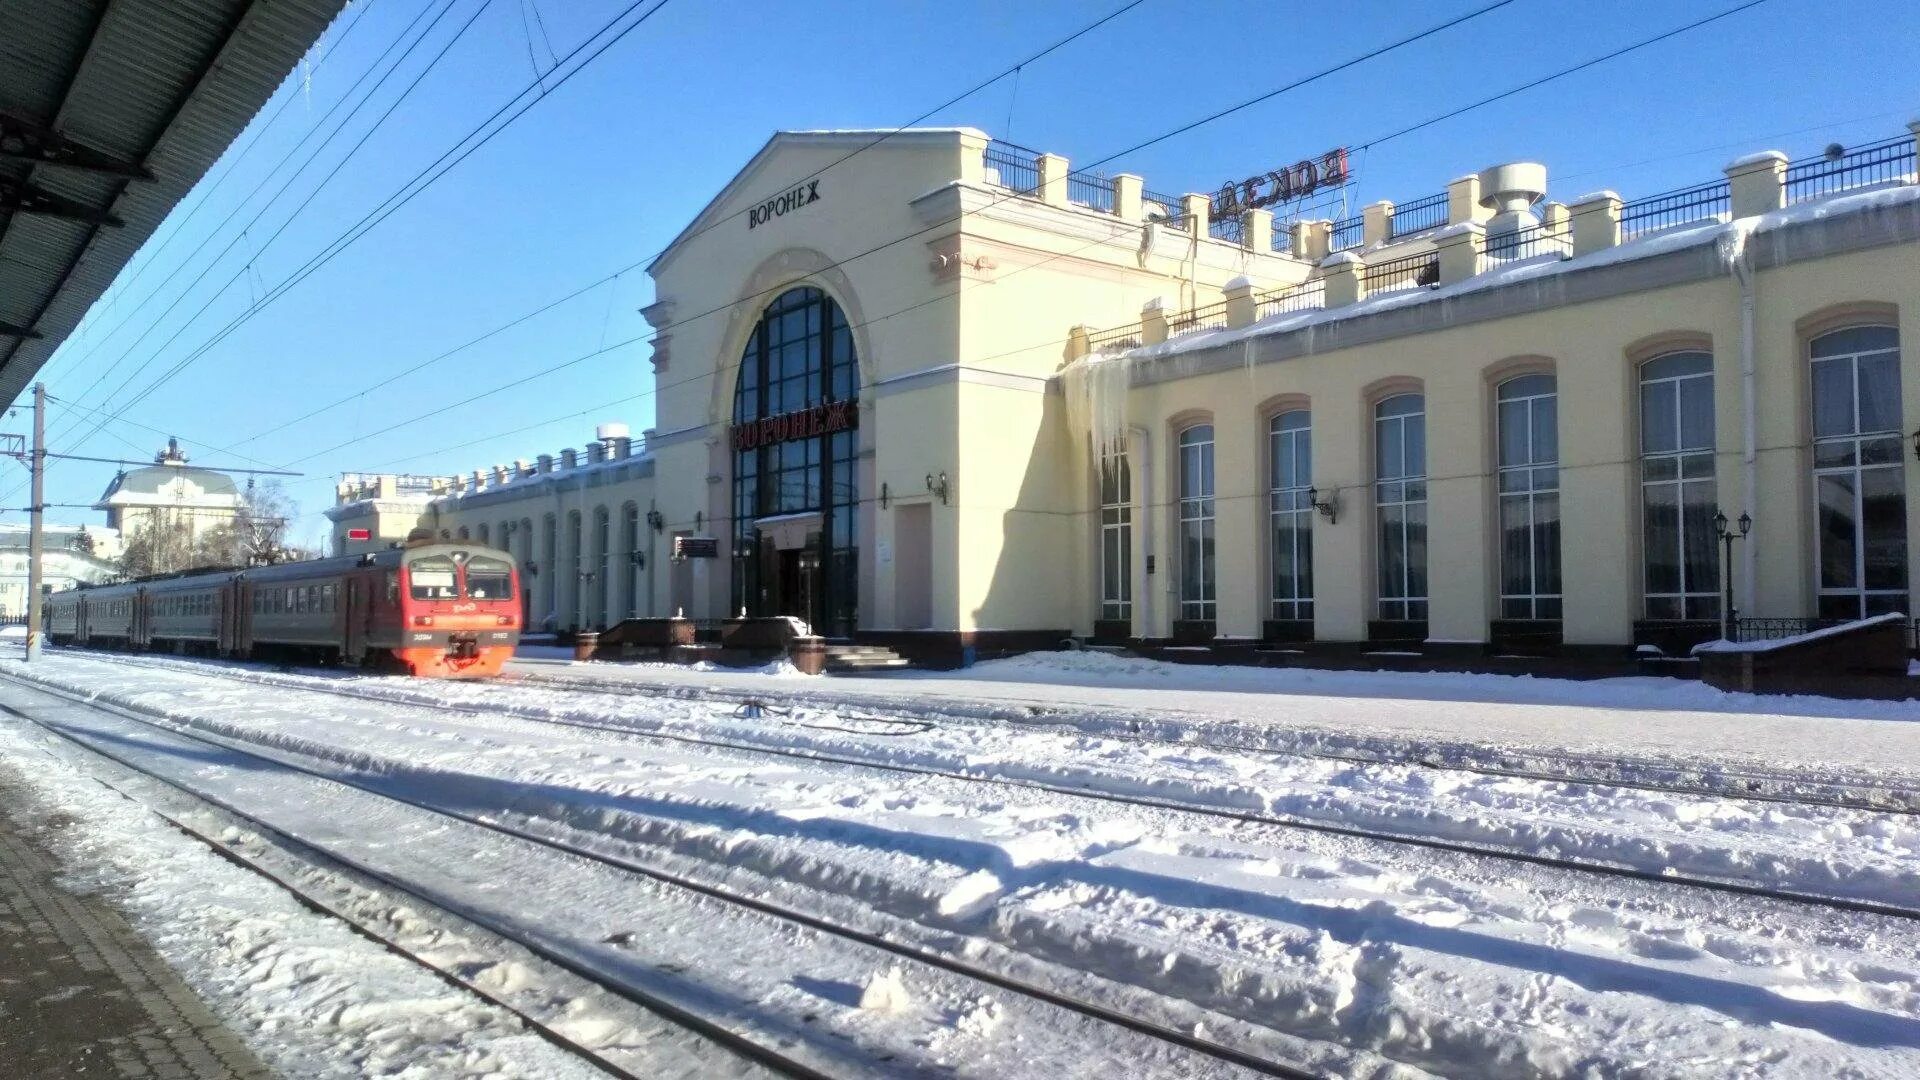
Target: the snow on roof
pixel 1758 158
pixel 1663 242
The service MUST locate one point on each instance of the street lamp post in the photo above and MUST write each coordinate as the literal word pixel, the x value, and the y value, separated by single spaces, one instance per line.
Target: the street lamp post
pixel 1729 616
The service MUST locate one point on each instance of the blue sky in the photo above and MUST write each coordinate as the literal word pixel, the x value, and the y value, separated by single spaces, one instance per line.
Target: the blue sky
pixel 607 168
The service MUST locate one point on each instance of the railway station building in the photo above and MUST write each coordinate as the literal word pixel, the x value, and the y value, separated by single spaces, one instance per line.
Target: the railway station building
pixel 939 392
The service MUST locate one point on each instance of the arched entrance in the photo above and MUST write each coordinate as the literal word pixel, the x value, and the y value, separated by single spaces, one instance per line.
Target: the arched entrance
pixel 795 489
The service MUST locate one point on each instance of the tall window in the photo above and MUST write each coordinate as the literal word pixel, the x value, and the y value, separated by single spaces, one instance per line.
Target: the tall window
pixel 799 355
pixel 1858 473
pixel 1677 495
pixel 1196 523
pixel 602 566
pixel 1400 504
pixel 574 568
pixel 629 561
pixel 1290 513
pixel 549 567
pixel 1116 538
pixel 1529 498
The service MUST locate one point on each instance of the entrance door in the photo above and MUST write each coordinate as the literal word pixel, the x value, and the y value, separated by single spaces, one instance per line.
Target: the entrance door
pixel 797 584
pixel 357 617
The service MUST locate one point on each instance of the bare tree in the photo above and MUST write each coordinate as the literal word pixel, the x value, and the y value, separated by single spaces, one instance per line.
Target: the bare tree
pixel 162 543
pixel 257 533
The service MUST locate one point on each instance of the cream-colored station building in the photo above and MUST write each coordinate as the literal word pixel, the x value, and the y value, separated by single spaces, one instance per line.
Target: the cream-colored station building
pixel 937 392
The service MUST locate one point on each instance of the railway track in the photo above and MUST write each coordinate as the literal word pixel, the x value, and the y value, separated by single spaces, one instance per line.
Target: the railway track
pixel 401 696
pixel 1734 783
pixel 750 1050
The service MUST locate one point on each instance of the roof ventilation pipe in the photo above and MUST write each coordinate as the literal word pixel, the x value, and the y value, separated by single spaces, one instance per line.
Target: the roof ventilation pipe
pixel 1510 192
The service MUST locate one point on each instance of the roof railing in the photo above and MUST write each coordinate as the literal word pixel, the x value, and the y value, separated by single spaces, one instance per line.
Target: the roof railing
pixel 1888 161
pixel 1704 202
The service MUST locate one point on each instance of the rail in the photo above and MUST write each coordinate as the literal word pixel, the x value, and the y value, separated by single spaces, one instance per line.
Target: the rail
pixel 1411 272
pixel 1125 336
pixel 1419 215
pixel 1528 243
pixel 1306 296
pixel 1231 229
pixel 1745 629
pixel 1013 167
pixel 1094 192
pixel 1211 317
pixel 1173 205
pixel 1707 202
pixel 1888 161
pixel 1348 233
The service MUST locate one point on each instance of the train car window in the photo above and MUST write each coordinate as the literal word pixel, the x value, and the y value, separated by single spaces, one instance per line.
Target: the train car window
pixel 431 578
pixel 331 596
pixel 489 579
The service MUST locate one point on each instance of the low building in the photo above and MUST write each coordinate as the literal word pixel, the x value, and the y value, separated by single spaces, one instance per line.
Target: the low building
pixel 70 555
pixel 945 394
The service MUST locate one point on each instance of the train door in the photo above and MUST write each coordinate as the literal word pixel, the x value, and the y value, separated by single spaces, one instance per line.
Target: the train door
pixel 358 612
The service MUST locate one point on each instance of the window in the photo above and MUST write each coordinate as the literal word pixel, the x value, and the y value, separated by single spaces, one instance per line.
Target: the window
pixel 489 579
pixel 1400 504
pixel 1290 513
pixel 431 578
pixel 630 552
pixel 485 532
pixel 800 354
pixel 1529 484
pixel 574 585
pixel 602 565
pixel 1196 524
pixel 1116 538
pixel 1677 492
pixel 1859 473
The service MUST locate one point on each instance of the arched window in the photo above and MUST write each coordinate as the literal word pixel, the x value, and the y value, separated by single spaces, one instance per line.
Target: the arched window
pixel 1529 484
pixel 485 534
pixel 574 569
pixel 794 411
pixel 1116 538
pixel 1677 490
pixel 1290 513
pixel 463 533
pixel 1400 505
pixel 547 564
pixel 1197 568
pixel 1859 475
pixel 630 561
pixel 602 578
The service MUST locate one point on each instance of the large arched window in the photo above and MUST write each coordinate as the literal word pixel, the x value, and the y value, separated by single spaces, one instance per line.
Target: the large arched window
pixel 1400 505
pixel 1290 513
pixel 1529 476
pixel 794 412
pixel 1677 490
pixel 1859 473
pixel 1197 568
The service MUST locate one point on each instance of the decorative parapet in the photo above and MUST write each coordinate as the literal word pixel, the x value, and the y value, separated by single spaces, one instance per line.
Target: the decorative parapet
pixel 1342 272
pixel 1240 303
pixel 1463 201
pixel 1460 247
pixel 1126 197
pixel 1376 223
pixel 1312 240
pixel 1596 222
pixel 1757 183
pixel 1256 230
pixel 1153 321
pixel 1053 179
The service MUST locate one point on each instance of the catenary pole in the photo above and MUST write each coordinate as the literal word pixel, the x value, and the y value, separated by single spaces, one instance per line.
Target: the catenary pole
pixel 36 543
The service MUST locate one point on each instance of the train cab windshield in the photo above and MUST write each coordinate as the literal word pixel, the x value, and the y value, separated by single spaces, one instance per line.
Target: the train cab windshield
pixel 489 579
pixel 432 578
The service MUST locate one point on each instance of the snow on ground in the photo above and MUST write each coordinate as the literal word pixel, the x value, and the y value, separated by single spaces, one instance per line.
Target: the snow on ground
pixel 1464 965
pixel 310 997
pixel 1643 728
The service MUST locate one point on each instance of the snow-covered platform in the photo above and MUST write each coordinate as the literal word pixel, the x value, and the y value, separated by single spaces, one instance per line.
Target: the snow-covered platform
pixel 1440 718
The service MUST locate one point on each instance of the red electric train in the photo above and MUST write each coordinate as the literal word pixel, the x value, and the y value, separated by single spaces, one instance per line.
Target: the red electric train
pixel 432 608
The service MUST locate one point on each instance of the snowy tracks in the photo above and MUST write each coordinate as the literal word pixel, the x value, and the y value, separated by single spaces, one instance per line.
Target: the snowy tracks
pixel 571 939
pixel 1344 954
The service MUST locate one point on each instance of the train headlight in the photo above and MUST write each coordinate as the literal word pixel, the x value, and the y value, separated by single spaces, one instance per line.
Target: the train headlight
pixel 423 620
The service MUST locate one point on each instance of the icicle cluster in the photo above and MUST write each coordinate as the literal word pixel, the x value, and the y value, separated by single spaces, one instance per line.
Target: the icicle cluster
pixel 1096 392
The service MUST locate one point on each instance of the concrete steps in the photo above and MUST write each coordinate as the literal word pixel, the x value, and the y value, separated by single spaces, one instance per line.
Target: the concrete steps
pixel 857 659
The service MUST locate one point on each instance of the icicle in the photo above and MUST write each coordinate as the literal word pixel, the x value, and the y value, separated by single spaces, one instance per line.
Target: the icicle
pixel 1096 392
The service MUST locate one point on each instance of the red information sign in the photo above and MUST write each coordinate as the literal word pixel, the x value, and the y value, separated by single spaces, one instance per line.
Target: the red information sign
pixel 359 534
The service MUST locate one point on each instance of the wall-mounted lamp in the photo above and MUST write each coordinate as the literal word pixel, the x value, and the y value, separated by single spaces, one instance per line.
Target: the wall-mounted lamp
pixel 1328 509
pixel 656 520
pixel 938 485
pixel 884 495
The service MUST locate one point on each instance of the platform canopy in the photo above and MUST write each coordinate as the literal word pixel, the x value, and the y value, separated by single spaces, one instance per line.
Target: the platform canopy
pixel 110 112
